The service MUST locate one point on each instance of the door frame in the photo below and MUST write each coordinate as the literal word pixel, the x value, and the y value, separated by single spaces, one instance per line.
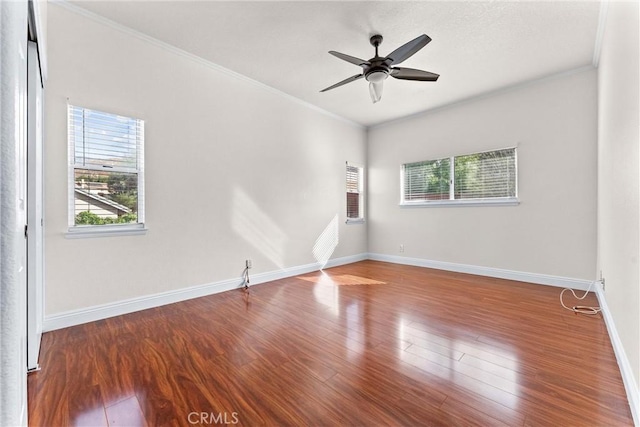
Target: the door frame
pixel 35 207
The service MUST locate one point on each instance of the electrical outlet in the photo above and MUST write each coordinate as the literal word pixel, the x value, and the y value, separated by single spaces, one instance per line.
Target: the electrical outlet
pixel 248 263
pixel 401 248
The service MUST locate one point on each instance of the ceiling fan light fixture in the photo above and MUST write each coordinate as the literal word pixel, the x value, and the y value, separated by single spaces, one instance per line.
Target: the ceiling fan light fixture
pixel 377 76
pixel 376 84
pixel 375 89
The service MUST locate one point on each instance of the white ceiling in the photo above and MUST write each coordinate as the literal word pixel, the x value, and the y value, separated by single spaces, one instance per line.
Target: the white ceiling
pixel 477 47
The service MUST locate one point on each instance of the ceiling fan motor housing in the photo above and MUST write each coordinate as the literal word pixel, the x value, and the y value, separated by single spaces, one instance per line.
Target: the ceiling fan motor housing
pixel 377 68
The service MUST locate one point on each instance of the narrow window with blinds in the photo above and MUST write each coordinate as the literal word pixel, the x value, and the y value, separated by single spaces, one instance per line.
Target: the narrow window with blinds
pixel 489 177
pixel 106 189
pixel 354 193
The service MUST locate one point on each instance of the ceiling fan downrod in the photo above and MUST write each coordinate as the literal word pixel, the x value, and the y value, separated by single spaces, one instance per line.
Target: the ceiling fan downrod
pixel 376 40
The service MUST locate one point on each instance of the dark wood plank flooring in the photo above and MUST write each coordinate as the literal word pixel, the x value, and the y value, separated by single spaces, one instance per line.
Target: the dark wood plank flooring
pixel 369 343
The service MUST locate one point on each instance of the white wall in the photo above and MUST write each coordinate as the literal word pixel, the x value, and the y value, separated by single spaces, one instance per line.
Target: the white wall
pixel 551 232
pixel 619 175
pixel 233 170
pixel 13 162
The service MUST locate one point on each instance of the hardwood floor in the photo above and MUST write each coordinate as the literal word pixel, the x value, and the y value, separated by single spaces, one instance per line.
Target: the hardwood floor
pixel 369 343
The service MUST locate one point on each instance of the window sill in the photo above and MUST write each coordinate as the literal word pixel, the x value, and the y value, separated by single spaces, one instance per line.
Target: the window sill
pixel 85 232
pixel 512 201
pixel 354 221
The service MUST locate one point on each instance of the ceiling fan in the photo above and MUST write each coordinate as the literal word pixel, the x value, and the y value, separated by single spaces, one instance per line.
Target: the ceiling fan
pixel 377 69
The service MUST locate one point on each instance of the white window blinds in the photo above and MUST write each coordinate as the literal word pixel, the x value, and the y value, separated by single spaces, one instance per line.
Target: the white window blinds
pixel 489 175
pixel 428 180
pixel 486 175
pixel 354 192
pixel 105 140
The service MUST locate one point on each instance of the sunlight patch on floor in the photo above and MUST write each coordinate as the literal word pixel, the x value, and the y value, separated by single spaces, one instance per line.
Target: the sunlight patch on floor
pixel 342 280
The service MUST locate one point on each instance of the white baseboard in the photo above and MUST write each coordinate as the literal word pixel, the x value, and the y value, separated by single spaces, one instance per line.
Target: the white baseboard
pixel 630 385
pixel 541 279
pixel 346 260
pixel 104 311
pixel 90 314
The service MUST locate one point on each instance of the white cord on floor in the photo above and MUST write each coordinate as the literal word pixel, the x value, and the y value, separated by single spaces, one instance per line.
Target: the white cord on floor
pixel 245 278
pixel 582 309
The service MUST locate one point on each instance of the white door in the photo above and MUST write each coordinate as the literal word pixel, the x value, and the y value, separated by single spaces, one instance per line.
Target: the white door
pixel 35 217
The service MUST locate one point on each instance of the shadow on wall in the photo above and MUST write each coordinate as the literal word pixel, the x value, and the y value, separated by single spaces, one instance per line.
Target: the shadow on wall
pixel 257 228
pixel 261 231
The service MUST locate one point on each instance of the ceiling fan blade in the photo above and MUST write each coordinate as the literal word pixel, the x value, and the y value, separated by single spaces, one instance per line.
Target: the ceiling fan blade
pixel 357 61
pixel 411 74
pixel 408 49
pixel 344 82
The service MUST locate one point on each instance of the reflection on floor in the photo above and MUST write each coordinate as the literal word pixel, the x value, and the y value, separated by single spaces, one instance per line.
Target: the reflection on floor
pixel 342 279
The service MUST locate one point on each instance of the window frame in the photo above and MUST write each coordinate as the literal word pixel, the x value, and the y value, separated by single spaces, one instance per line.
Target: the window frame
pixel 452 201
pixel 361 217
pixel 106 230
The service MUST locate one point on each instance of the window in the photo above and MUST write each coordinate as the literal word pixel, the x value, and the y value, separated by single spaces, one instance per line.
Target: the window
pixel 355 206
pixel 106 182
pixel 429 180
pixel 488 177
